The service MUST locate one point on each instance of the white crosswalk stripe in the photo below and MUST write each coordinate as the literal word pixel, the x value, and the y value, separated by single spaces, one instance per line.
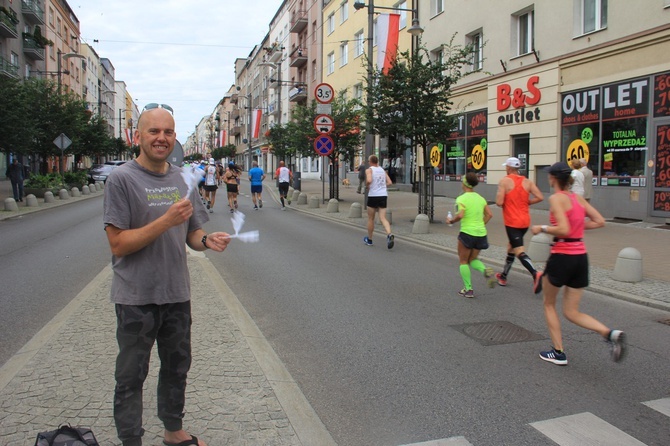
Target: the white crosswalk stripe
pixel 662 405
pixel 584 428
pixel 453 441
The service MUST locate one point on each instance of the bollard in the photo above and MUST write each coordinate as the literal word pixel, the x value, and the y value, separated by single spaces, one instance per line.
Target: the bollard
pixel 333 206
pixel 75 192
pixel 63 195
pixel 85 190
pixel 10 204
pixel 48 197
pixel 98 186
pixel 31 201
pixel 302 198
pixel 296 195
pixel 540 247
pixel 356 210
pixel 628 266
pixel 421 223
pixel 314 202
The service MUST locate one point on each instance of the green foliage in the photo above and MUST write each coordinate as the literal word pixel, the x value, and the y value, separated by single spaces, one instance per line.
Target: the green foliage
pixel 47 181
pixel 77 179
pixel 413 99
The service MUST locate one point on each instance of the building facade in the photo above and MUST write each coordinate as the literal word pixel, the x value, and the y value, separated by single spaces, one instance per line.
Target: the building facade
pixel 556 81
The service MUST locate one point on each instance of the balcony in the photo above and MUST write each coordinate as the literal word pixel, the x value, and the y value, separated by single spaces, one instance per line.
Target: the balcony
pixel 233 99
pixel 298 94
pixel 275 53
pixel 298 59
pixel 32 50
pixel 299 22
pixel 8 69
pixel 32 11
pixel 236 130
pixel 235 114
pixel 8 25
pixel 273 108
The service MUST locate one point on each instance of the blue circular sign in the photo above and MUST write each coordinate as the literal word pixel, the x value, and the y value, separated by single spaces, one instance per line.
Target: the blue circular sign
pixel 324 145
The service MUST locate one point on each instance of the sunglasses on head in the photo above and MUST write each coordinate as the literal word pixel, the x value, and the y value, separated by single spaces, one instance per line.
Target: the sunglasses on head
pixel 153 105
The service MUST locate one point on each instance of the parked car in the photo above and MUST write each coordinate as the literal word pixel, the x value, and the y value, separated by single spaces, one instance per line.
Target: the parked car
pixel 100 172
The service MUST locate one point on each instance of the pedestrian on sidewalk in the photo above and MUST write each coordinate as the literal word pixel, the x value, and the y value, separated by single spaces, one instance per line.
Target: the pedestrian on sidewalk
pixel 568 265
pixel 211 184
pixel 256 177
pixel 15 174
pixel 515 195
pixel 231 178
pixel 377 181
pixel 284 177
pixel 150 215
pixel 361 178
pixel 588 179
pixel 577 177
pixel 473 212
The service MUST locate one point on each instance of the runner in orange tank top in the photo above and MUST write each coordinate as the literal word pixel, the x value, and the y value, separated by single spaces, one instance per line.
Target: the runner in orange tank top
pixel 515 195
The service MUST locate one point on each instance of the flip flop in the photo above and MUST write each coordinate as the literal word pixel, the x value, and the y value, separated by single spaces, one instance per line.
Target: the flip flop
pixel 192 442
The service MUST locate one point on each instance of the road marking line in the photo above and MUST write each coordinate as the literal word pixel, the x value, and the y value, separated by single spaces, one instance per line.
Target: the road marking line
pixel 452 441
pixel 584 428
pixel 662 405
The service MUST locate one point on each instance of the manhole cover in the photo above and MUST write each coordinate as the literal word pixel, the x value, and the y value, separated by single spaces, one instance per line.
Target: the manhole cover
pixel 497 332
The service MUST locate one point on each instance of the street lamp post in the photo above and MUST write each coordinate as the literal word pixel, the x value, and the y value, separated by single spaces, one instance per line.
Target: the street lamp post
pixel 60 54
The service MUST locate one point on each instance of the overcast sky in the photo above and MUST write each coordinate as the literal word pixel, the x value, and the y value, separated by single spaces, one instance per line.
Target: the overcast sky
pixel 175 52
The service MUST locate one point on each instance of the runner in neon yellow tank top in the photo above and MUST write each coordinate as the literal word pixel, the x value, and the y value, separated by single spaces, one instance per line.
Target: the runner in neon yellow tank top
pixel 473 213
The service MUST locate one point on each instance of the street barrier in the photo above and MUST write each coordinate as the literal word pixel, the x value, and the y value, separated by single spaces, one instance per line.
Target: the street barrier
pixel 628 266
pixel 302 198
pixel 10 204
pixel 421 224
pixel 75 192
pixel 63 195
pixel 333 206
pixel 356 210
pixel 296 195
pixel 85 190
pixel 31 201
pixel 540 247
pixel 314 202
pixel 49 197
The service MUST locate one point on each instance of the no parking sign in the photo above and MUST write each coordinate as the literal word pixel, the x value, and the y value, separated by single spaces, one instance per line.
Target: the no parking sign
pixel 324 145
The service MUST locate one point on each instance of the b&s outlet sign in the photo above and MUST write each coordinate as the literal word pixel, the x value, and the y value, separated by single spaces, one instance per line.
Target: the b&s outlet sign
pixel 518 104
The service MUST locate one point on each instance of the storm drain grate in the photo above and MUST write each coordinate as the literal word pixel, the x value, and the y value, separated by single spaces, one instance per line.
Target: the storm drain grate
pixel 497 332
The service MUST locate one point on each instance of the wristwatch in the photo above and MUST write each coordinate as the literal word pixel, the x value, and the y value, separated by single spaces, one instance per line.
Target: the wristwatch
pixel 204 241
pixel 544 229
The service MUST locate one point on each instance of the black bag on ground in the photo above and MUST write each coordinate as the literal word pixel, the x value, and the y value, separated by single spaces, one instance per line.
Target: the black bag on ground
pixel 67 435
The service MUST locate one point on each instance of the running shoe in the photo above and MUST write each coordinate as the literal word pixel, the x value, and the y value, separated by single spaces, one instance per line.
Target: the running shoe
pixel 501 280
pixel 255 208
pixel 367 241
pixel 232 211
pixel 260 203
pixel 537 282
pixel 211 211
pixel 554 356
pixel 283 208
pixel 617 341
pixel 208 206
pixel 235 203
pixel 490 280
pixel 467 293
pixel 390 241
pixel 289 200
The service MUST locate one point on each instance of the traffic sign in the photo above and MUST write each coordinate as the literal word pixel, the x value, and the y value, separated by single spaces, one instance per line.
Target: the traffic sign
pixel 435 155
pixel 324 124
pixel 324 109
pixel 324 94
pixel 324 145
pixel 62 141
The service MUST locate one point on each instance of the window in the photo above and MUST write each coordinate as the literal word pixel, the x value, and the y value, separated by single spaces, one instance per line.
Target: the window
pixel 476 41
pixel 314 70
pixel 330 64
pixel 331 23
pixel 358 92
pixel 524 32
pixel 594 15
pixel 436 6
pixel 437 56
pixel 58 26
pixel 51 17
pixel 344 11
pixel 403 14
pixel 314 31
pixel 344 54
pixel 359 41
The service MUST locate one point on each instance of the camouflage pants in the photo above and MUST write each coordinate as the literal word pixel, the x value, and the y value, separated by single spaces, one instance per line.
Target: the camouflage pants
pixel 138 327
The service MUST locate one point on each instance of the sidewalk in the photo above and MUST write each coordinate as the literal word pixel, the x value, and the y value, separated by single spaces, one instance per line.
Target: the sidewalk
pixel 239 391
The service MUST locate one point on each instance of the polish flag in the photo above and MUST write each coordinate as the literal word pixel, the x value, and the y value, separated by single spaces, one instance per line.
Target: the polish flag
pixel 222 138
pixel 388 28
pixel 256 123
pixel 129 137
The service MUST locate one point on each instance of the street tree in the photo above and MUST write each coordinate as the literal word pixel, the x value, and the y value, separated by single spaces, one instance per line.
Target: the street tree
pixel 413 101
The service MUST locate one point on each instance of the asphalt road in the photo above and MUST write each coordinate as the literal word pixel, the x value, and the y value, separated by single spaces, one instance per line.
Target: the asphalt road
pixel 371 337
pixel 46 258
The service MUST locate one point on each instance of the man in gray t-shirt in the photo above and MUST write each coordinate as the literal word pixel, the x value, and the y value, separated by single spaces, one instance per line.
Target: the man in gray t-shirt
pixel 150 216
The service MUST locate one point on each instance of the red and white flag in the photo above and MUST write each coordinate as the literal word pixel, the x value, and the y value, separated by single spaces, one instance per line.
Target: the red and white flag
pixel 256 123
pixel 129 137
pixel 222 138
pixel 388 28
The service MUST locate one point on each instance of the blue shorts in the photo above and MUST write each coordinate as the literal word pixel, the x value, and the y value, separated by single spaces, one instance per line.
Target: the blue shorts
pixel 256 189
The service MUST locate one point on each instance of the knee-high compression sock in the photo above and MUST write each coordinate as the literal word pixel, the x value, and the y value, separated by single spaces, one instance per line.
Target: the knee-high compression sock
pixel 282 200
pixel 466 276
pixel 508 264
pixel 478 265
pixel 527 263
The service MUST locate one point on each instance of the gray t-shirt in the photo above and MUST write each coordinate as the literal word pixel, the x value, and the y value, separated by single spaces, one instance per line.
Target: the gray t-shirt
pixel 157 273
